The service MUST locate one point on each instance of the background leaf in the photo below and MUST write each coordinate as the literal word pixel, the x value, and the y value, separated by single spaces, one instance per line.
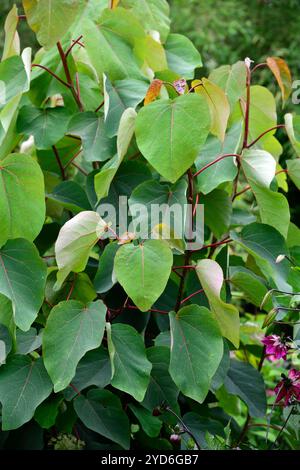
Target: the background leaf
pixel 72 329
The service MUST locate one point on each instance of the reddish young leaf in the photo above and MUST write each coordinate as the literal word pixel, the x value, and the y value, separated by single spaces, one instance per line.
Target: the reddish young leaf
pixel 282 74
pixel 153 91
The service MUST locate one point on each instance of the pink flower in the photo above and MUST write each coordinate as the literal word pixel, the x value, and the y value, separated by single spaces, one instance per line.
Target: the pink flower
pixel 276 348
pixel 288 388
pixel 180 85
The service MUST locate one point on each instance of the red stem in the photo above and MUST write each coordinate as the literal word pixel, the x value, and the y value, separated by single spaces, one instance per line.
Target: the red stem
pixel 72 45
pixel 200 291
pixel 73 158
pixel 279 126
pixel 52 73
pixel 226 155
pixel 68 76
pixel 133 307
pixel 247 111
pixel 99 107
pixel 61 167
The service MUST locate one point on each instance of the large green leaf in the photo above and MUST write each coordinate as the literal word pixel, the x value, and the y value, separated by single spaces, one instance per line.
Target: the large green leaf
pixel 51 19
pixel 21 192
pixel 259 168
pixel 119 96
pixel 170 133
pixel 266 244
pixel 246 382
pixel 97 146
pixel 102 412
pixel 43 124
pixel 143 271
pixel 153 14
pixel 211 277
pixel 22 280
pixel 24 384
pixel 232 79
pixel 109 44
pixel 182 56
pixel 75 241
pixel 130 366
pixel 72 329
pixel 225 169
pixel 196 350
pixel 105 176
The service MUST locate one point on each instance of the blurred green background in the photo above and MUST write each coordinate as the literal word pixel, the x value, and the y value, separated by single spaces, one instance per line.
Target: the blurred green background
pixel 224 30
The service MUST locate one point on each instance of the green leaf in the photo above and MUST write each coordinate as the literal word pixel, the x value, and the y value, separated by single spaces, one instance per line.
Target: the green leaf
pixel 130 366
pixel 150 424
pixel 28 341
pixel 259 168
pixel 196 350
pixel 51 19
pixel 293 167
pixel 218 104
pixel 153 14
pixel 24 384
pixel 273 208
pixel 263 114
pixel 107 173
pixel 46 413
pixel 71 330
pixel 246 382
pixel 96 144
pixel 12 41
pixel 266 244
pixel 252 286
pixel 232 79
pixel 70 195
pixel 224 170
pixel 170 133
pixel 104 279
pixel 22 280
pixel 161 387
pixel 21 192
pixel 42 124
pixel 93 369
pixel 109 44
pixel 211 277
pixel 14 79
pixel 119 96
pixel 292 124
pixel 75 242
pixel 143 271
pixel 217 202
pixel 182 56
pixel 102 412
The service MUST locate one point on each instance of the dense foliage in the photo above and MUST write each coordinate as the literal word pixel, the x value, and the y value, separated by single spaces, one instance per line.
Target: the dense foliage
pixel 121 334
